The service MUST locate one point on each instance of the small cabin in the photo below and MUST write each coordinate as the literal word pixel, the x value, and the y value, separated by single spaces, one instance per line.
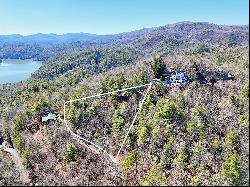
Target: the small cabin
pixel 49 117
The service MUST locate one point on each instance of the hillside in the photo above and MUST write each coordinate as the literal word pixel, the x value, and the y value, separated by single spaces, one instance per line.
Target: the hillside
pixel 163 39
pixel 195 134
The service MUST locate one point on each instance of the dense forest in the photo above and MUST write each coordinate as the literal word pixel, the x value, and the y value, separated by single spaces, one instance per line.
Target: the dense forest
pixel 194 134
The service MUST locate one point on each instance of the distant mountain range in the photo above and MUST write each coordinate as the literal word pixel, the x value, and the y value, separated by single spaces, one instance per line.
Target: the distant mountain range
pixel 161 40
pixel 54 38
pixel 177 30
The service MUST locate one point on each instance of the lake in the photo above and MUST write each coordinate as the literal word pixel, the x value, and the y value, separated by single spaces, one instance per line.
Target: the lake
pixel 15 70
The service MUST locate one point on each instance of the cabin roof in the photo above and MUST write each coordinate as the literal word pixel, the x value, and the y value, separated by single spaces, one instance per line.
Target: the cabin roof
pixel 50 116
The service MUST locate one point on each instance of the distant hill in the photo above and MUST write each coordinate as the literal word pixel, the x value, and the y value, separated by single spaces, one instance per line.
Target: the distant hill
pixel 164 39
pixel 197 31
pixel 47 38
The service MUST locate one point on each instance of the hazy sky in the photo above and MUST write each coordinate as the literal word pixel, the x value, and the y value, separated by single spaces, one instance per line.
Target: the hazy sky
pixel 113 16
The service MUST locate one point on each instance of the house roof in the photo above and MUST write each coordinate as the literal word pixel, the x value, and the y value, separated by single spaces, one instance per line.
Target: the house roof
pixel 181 77
pixel 50 116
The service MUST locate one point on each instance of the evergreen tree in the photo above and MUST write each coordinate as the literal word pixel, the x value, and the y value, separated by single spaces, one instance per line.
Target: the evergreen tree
pixel 158 67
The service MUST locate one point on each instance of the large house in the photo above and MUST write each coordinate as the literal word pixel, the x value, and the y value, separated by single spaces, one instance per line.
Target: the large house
pixel 176 77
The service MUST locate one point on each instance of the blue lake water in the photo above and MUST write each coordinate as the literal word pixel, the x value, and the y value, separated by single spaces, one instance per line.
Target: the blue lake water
pixel 15 70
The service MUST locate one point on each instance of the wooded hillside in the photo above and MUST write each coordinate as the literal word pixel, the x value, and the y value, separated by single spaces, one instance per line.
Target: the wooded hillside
pixel 197 134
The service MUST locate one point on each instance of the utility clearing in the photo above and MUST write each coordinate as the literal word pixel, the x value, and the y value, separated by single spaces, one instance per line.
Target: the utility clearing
pixel 104 121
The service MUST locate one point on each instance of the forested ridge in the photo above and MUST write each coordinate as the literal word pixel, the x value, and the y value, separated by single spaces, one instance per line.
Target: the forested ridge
pixel 197 134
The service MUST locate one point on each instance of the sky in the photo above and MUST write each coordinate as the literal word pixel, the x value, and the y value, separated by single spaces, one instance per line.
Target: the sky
pixel 113 16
